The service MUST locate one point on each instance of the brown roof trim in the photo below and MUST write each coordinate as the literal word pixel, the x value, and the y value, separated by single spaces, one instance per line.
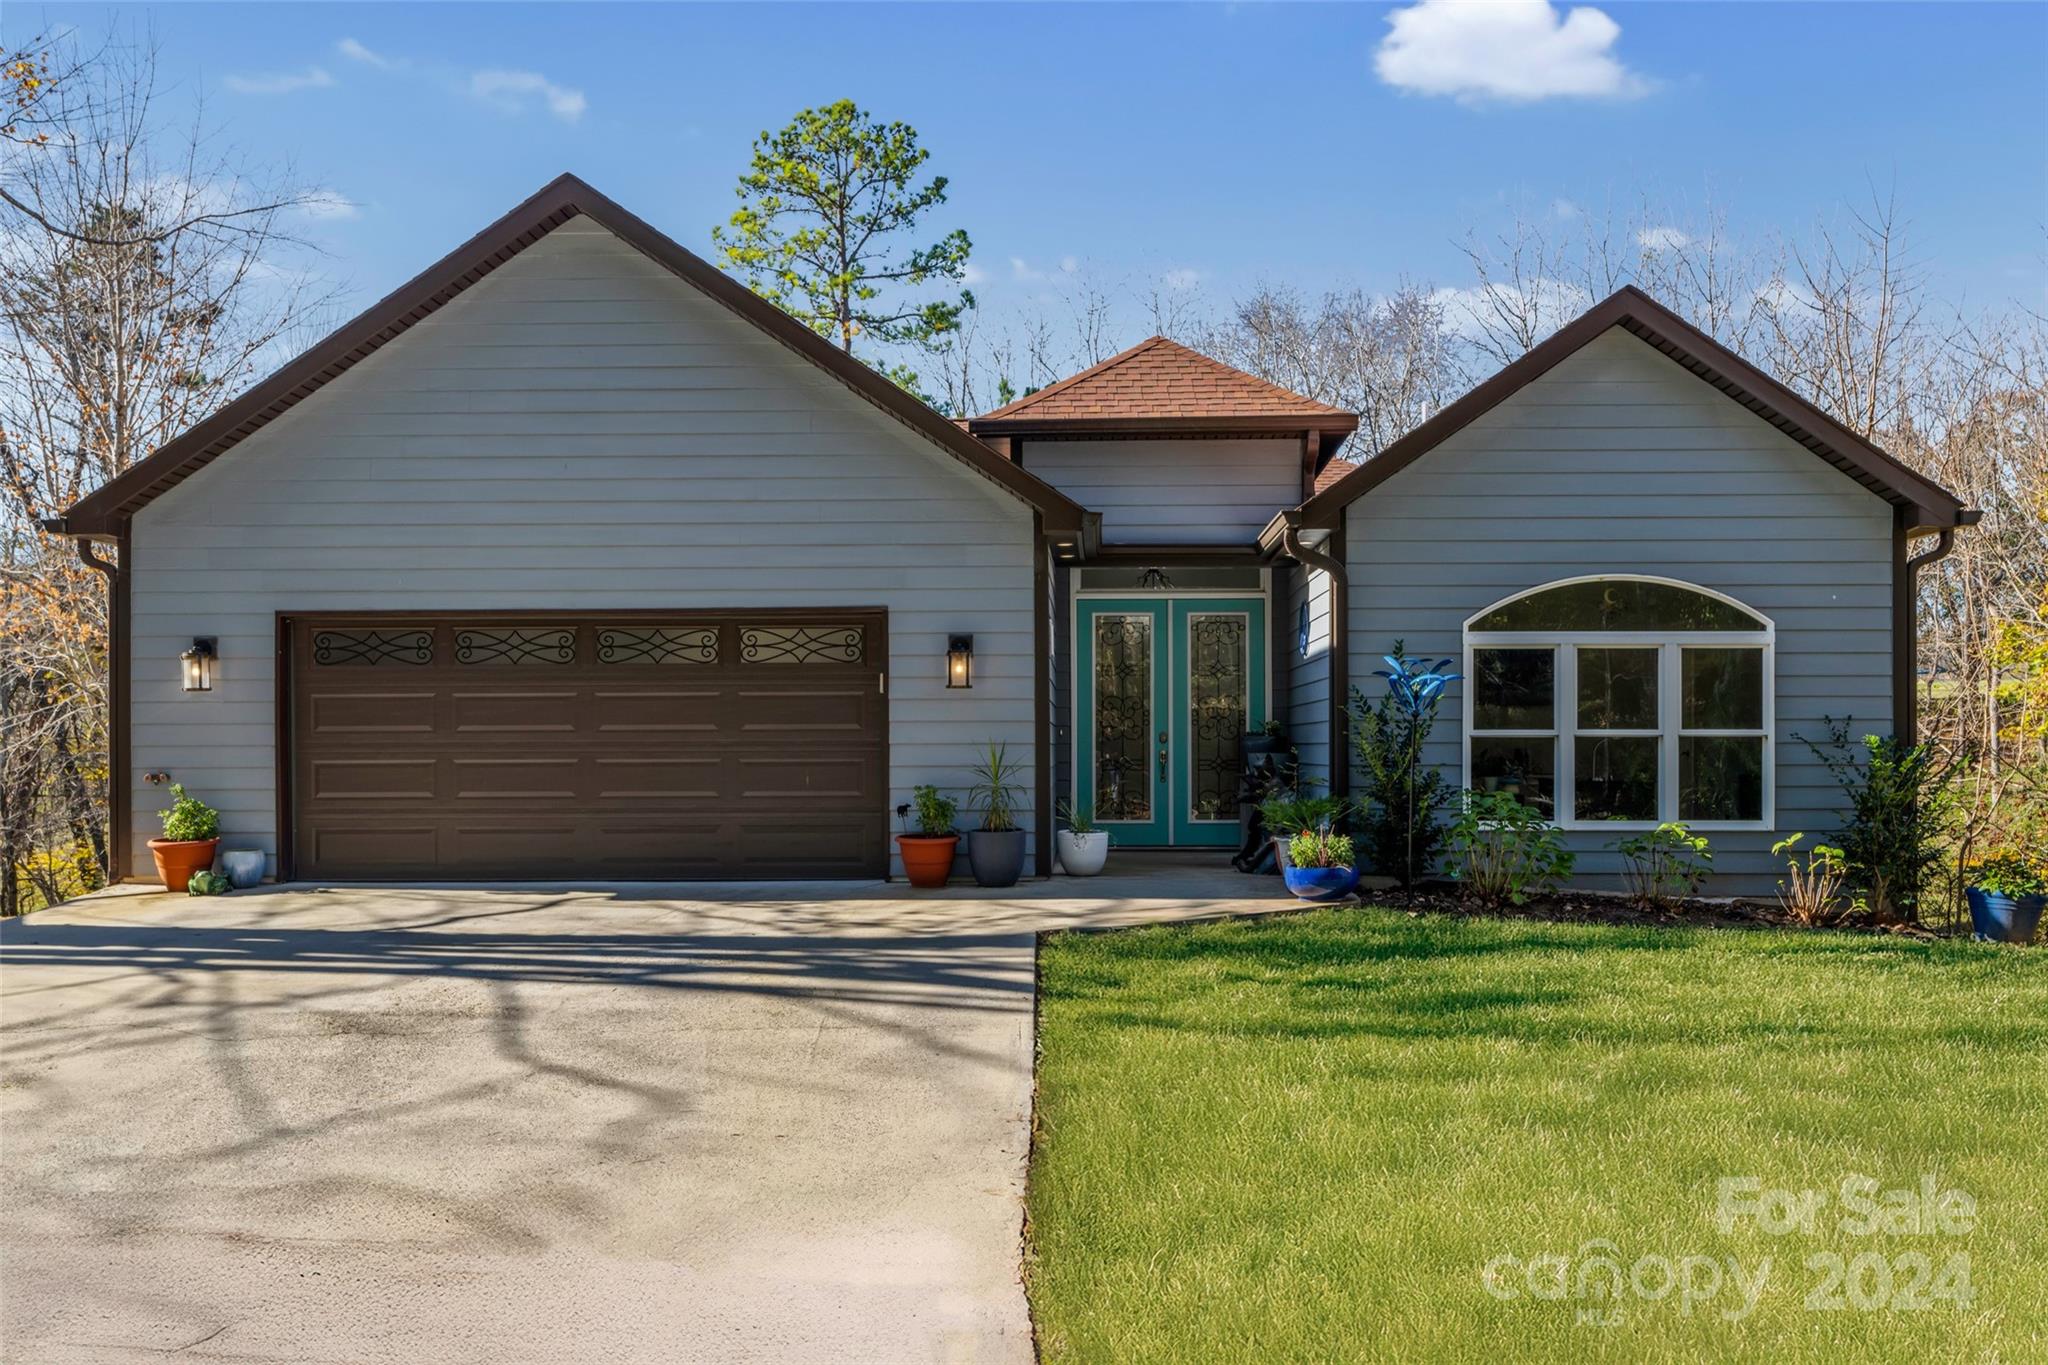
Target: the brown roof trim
pixel 1928 506
pixel 560 200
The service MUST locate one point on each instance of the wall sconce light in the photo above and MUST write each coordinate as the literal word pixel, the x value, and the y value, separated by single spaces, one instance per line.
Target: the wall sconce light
pixel 960 661
pixel 198 662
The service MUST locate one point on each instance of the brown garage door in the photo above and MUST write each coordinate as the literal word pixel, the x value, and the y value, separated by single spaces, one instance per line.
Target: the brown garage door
pixel 723 745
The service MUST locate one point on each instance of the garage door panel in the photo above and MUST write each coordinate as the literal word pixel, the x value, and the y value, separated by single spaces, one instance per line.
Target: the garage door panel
pixel 469 749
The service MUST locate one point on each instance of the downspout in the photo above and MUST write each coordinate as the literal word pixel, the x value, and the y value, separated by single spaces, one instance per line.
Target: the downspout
pixel 1340 651
pixel 1907 623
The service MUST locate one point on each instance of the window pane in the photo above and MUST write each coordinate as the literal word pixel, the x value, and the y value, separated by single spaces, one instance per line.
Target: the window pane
pixel 1614 779
pixel 1617 689
pixel 1720 779
pixel 1514 689
pixel 1617 604
pixel 1724 689
pixel 1523 768
pixel 1123 717
pixel 1219 672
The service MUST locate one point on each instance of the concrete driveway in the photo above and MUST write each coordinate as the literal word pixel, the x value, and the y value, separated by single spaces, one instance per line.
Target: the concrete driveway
pixel 584 1124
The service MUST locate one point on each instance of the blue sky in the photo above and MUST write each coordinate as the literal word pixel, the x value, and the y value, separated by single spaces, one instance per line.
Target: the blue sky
pixel 1230 143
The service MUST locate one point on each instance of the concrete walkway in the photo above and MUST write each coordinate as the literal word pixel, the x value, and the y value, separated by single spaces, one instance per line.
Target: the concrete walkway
pixel 631 1123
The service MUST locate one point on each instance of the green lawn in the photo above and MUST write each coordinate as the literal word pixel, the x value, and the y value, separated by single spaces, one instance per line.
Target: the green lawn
pixel 1306 1137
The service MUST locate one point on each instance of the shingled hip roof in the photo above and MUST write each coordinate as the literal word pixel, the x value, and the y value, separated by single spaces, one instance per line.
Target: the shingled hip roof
pixel 1161 385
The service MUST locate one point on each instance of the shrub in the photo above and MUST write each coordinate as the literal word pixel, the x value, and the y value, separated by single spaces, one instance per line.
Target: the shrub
pixel 189 818
pixel 1400 801
pixel 1285 814
pixel 1902 800
pixel 1665 864
pixel 1812 891
pixel 1504 852
pixel 2011 874
pixel 935 813
pixel 1321 848
pixel 205 883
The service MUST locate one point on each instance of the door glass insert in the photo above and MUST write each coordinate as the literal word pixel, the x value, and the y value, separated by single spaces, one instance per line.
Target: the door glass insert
pixel 1218 673
pixel 1123 717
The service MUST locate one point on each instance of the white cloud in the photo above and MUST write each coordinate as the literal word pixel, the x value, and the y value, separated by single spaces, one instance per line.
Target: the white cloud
pixel 1663 238
pixel 1564 210
pixel 973 274
pixel 1021 269
pixel 1182 280
pixel 356 52
pixel 512 92
pixel 1514 50
pixel 280 83
pixel 1547 303
pixel 326 204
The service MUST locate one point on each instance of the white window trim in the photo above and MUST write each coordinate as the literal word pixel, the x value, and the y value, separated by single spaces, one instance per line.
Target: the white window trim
pixel 1564 646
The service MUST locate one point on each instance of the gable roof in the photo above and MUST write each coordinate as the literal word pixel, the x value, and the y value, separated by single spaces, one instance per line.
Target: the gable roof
pixel 1161 386
pixel 102 512
pixel 1333 471
pixel 1924 505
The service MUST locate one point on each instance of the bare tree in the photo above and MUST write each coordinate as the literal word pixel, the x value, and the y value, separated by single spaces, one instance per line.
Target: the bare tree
pixel 145 283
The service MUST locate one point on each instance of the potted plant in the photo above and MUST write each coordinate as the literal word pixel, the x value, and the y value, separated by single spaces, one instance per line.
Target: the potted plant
pixel 1083 848
pixel 191 834
pixel 1269 738
pixel 2006 895
pixel 996 850
pixel 928 854
pixel 1286 814
pixel 1321 865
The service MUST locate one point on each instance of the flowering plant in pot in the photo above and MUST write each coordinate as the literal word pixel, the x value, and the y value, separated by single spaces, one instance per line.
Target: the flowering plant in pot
pixel 928 854
pixel 2007 893
pixel 1321 865
pixel 191 834
pixel 996 850
pixel 1083 848
pixel 1287 813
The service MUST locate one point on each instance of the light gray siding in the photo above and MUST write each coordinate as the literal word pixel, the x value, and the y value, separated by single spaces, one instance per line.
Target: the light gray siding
pixel 1307 703
pixel 578 431
pixel 1620 461
pixel 1174 492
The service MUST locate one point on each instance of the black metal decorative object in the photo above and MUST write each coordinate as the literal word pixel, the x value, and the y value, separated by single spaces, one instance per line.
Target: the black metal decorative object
pixel 1123 717
pixel 694 645
pixel 802 644
pixel 332 648
pixel 515 646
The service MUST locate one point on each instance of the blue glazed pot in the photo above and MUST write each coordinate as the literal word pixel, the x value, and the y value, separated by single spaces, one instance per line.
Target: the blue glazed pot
pixel 2004 919
pixel 1321 883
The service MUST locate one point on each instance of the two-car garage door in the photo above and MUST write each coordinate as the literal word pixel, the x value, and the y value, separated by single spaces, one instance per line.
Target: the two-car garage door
pixel 542 747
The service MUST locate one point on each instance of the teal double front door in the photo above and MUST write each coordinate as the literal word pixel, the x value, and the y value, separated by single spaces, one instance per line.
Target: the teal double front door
pixel 1164 689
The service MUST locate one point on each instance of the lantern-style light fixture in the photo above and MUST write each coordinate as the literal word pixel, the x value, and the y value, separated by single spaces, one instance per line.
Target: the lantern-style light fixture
pixel 960 661
pixel 198 664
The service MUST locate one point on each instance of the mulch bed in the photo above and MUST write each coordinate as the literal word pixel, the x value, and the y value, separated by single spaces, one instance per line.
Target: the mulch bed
pixel 1582 907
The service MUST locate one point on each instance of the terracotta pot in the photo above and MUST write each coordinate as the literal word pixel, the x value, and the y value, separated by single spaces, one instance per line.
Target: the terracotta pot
pixel 178 859
pixel 927 859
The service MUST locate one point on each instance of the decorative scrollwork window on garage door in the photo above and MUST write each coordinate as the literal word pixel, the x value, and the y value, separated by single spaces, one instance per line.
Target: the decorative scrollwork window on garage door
pixel 802 644
pixel 515 646
pixel 343 648
pixel 618 645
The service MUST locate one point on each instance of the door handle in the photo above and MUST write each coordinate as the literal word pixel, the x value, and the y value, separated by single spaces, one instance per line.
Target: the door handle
pixel 1162 765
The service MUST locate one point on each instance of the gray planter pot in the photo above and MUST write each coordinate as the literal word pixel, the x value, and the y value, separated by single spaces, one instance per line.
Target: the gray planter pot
pixel 1083 855
pixel 997 856
pixel 244 867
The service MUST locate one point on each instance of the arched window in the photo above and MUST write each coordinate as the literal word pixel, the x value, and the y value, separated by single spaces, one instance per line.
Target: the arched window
pixel 1623 702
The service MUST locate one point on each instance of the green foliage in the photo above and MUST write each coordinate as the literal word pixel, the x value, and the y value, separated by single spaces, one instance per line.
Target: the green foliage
pixel 205 883
pixel 825 208
pixel 998 789
pixel 1321 848
pixel 1812 890
pixel 2011 874
pixel 935 813
pixel 1286 813
pixel 188 818
pixel 1902 802
pixel 1400 801
pixel 1080 819
pixel 1503 851
pixel 1665 864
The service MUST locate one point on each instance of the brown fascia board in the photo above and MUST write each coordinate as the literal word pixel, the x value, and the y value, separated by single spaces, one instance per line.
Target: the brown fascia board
pixel 1927 505
pixel 556 203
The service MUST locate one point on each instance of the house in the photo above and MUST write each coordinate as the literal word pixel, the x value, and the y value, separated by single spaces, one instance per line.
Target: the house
pixel 573 558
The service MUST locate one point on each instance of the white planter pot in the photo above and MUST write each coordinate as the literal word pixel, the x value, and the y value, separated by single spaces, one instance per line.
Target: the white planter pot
pixel 244 867
pixel 1083 855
